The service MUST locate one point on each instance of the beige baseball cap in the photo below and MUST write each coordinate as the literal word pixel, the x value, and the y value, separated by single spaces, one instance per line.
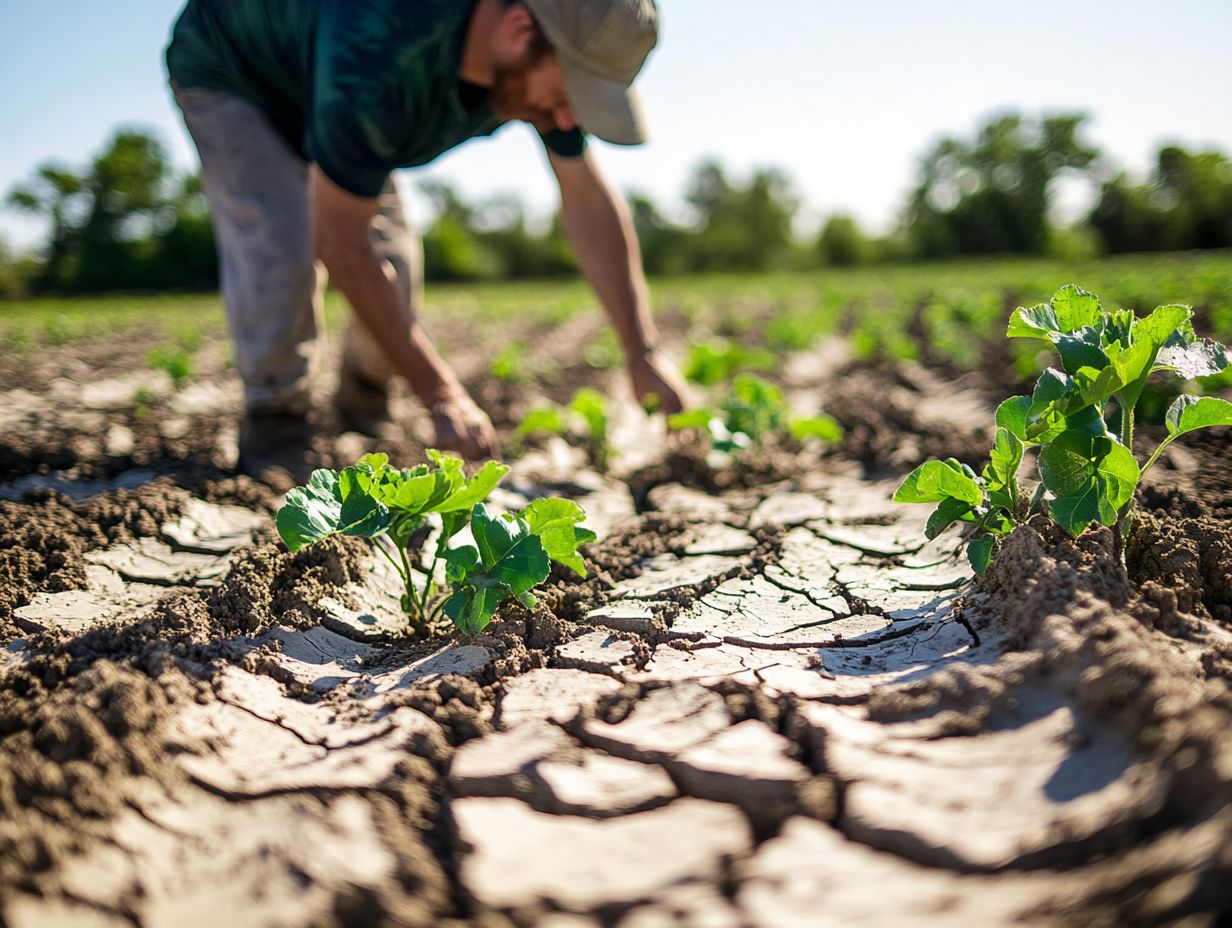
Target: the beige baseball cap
pixel 602 45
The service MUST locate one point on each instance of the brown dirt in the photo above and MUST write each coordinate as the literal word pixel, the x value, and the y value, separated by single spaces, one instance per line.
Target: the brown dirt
pixel 109 729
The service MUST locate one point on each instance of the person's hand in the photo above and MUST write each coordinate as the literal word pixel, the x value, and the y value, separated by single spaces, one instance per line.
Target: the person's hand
pixel 463 428
pixel 654 376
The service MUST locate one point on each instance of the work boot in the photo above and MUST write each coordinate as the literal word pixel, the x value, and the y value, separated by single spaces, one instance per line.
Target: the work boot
pixel 363 406
pixel 274 447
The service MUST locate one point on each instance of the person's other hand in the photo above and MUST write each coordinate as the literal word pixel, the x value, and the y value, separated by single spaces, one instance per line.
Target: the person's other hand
pixel 464 428
pixel 654 376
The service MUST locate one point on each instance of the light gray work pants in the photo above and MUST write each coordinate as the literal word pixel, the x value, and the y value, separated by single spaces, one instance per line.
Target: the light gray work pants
pixel 257 188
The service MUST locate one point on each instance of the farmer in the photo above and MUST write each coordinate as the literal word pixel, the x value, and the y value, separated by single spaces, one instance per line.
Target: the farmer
pixel 301 109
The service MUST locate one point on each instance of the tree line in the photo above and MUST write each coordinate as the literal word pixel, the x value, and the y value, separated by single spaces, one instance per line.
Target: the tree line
pixel 129 221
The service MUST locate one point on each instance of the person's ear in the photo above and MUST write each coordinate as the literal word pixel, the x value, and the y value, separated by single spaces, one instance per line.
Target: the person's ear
pixel 518 31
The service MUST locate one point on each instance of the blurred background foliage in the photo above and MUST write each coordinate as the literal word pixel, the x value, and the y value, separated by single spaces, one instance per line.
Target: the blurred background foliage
pixel 126 221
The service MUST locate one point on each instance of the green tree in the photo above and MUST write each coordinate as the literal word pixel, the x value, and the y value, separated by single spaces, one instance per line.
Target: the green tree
pixel 124 222
pixel 992 195
pixel 1186 203
pixel 841 243
pixel 741 227
pixel 664 245
pixel 55 193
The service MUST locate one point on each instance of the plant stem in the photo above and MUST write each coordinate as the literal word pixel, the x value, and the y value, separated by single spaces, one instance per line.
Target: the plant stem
pixel 412 600
pixel 1127 425
pixel 376 543
pixel 429 587
pixel 1155 457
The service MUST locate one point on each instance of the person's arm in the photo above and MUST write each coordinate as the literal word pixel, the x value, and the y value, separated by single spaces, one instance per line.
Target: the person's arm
pixel 340 238
pixel 600 231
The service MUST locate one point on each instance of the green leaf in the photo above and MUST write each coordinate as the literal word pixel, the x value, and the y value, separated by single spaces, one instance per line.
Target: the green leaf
pixel 1076 308
pixel 591 405
pixel 544 421
pixel 979 553
pixel 375 462
pixel 460 562
pixel 1033 322
pixel 1188 413
pixel 1012 416
pixel 1089 478
pixel 475 490
pixel 690 419
pixel 1071 309
pixel 1094 385
pixel 471 607
pixel 1163 322
pixel 823 428
pixel 556 523
pixel 1199 358
pixel 934 481
pixel 1081 348
pixel 333 503
pixel 1004 460
pixel 946 514
pixel 508 551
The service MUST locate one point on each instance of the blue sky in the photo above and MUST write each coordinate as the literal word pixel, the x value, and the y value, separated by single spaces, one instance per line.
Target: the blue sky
pixel 845 97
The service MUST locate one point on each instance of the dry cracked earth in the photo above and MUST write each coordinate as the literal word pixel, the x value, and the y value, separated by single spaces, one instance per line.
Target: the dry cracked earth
pixel 769 705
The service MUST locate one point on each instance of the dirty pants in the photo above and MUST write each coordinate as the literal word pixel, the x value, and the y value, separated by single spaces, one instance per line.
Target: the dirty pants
pixel 257 188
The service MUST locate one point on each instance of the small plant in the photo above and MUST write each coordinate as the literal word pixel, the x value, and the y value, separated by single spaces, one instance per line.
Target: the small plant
pixel 718 360
pixel 1080 417
pixel 508 365
pixel 753 411
pixel 176 364
pixel 510 556
pixel 586 417
pixel 143 402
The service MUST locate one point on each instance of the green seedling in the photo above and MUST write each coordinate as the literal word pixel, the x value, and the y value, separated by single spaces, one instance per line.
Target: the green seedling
pixel 718 360
pixel 511 554
pixel 590 408
pixel 586 418
pixel 178 365
pixel 1081 418
pixel 751 413
pixel 507 366
pixel 143 402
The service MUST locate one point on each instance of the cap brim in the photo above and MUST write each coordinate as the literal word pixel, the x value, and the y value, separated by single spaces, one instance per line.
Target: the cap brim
pixel 607 109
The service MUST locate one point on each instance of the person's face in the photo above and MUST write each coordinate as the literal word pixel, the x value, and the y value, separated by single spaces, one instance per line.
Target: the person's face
pixel 528 87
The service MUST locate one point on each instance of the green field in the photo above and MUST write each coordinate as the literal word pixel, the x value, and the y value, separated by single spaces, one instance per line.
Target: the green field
pixel 889 309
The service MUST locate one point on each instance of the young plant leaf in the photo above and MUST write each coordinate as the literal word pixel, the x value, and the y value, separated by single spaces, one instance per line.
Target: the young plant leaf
pixel 934 481
pixel 979 553
pixel 1201 357
pixel 508 551
pixel 1188 413
pixel 546 420
pixel 1012 416
pixel 1089 478
pixel 690 419
pixel 505 563
pixel 1081 349
pixel 333 503
pixel 1072 308
pixel 556 523
pixel 823 428
pixel 1004 460
pixel 950 510
pixel 1033 322
pixel 475 490
pixel 474 602
pixel 1076 308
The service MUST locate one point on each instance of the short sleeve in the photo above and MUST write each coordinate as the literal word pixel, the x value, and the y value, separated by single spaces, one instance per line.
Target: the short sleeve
pixel 569 143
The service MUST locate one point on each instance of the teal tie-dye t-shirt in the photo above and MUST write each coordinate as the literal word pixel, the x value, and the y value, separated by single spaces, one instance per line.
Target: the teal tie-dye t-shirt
pixel 360 87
